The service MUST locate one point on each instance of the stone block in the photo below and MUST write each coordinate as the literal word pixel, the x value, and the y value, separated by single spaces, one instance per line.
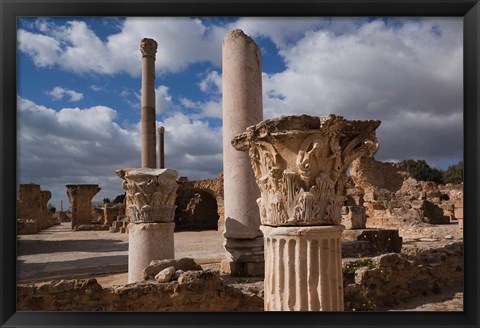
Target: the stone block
pixel 354 217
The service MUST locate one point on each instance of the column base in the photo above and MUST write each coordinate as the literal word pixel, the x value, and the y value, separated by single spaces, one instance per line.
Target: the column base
pixel 303 268
pixel 244 257
pixel 242 269
pixel 147 242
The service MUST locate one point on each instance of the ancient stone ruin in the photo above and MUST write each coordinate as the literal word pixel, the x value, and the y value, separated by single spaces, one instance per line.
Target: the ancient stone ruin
pixel 326 236
pixel 300 164
pixel 200 204
pixel 242 107
pixel 392 198
pixel 32 211
pixel 80 197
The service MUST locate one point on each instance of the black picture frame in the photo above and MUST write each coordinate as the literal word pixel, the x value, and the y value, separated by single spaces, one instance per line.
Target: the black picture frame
pixel 10 10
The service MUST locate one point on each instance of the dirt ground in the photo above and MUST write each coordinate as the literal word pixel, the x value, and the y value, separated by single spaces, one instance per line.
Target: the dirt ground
pixel 59 253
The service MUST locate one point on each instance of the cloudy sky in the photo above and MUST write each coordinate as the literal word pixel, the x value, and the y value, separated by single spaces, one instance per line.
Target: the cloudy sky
pixel 79 89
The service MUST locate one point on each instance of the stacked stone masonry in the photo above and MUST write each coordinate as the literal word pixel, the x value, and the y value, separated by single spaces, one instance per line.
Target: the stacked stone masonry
pixel 32 209
pixel 80 197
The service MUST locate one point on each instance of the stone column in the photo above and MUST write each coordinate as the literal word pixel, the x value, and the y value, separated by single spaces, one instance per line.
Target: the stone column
pixel 161 152
pixel 151 194
pixel 300 165
pixel 149 49
pixel 242 107
pixel 80 197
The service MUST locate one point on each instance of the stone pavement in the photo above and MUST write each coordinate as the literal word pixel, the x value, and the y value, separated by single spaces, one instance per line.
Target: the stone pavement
pixel 59 253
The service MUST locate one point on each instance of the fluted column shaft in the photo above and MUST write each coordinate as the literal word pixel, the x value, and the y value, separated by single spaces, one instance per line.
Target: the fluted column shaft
pixel 303 268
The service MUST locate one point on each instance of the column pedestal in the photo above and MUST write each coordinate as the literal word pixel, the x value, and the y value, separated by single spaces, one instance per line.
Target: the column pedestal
pixel 244 257
pixel 147 242
pixel 303 268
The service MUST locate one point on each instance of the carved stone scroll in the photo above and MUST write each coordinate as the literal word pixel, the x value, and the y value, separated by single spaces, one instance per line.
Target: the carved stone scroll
pixel 150 193
pixel 300 164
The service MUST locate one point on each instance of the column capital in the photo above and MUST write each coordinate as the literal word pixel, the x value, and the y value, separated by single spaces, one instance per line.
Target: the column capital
pixel 151 193
pixel 161 129
pixel 300 165
pixel 148 47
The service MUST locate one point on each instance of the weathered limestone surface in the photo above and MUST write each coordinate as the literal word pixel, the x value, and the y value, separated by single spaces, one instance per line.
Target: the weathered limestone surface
pixel 148 48
pixel 354 217
pixel 32 207
pixel 146 242
pixel 366 171
pixel 214 187
pixel 242 107
pixel 151 195
pixel 80 197
pixel 111 212
pixel 398 279
pixel 300 164
pixel 459 212
pixel 193 291
pixel 29 203
pixel 303 268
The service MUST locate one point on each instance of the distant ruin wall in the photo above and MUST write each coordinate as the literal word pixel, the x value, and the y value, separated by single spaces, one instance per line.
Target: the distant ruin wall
pixel 214 187
pixel 367 172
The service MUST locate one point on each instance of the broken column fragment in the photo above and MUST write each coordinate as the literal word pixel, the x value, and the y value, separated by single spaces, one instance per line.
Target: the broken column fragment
pixel 151 195
pixel 242 107
pixel 300 165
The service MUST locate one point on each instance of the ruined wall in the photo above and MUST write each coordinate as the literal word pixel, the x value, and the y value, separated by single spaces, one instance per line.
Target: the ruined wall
pixel 391 279
pixel 32 206
pixel 194 291
pixel 393 199
pixel 214 187
pixel 367 172
pixel 111 212
pixel 80 197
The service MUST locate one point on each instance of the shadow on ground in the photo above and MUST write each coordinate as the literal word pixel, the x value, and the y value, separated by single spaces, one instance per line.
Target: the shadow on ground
pixel 27 272
pixel 32 247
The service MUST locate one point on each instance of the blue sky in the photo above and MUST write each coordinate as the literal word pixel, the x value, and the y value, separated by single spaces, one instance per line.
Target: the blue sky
pixel 79 87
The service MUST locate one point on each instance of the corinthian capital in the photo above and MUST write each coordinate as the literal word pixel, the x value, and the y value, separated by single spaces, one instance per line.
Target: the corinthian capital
pixel 148 47
pixel 300 165
pixel 151 193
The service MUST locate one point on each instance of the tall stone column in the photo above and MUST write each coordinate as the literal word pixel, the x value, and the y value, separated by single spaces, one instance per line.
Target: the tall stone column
pixel 161 152
pixel 242 107
pixel 151 197
pixel 80 197
pixel 149 49
pixel 300 165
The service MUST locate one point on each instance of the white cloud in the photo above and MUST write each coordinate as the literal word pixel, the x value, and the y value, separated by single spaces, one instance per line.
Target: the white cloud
pixel 163 100
pixel 87 146
pixel 58 93
pixel 43 50
pixel 409 75
pixel 212 83
pixel 75 47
